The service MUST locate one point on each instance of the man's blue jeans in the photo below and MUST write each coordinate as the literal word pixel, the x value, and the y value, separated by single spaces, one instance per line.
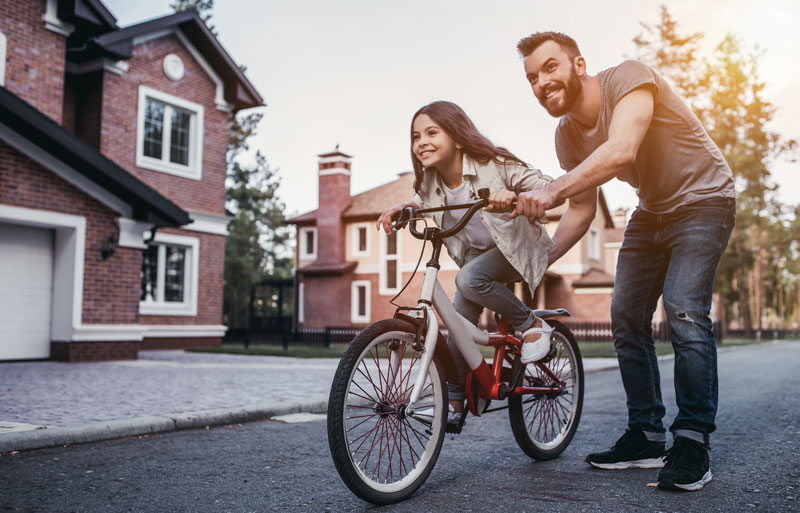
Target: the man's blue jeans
pixel 677 255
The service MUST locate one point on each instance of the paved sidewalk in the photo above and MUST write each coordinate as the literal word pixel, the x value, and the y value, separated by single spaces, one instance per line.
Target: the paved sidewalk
pixel 45 404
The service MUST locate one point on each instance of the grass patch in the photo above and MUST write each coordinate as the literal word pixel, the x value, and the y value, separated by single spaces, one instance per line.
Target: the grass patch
pixel 589 349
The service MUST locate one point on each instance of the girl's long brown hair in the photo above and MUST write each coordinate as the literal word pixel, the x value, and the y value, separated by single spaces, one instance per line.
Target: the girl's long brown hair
pixel 453 120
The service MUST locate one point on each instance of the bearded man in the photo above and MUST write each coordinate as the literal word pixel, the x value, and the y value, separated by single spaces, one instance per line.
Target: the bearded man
pixel 627 122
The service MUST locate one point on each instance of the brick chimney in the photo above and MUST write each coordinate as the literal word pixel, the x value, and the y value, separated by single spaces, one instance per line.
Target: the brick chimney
pixel 334 198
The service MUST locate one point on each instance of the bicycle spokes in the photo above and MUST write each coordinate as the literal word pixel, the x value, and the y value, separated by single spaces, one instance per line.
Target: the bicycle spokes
pixel 385 443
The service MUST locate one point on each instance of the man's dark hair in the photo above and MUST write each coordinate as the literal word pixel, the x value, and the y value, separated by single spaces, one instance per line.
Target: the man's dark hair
pixel 527 45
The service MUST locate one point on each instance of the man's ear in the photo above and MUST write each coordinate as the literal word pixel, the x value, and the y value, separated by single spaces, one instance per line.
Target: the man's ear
pixel 579 63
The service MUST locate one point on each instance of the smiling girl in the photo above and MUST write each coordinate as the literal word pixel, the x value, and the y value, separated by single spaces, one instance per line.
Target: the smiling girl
pixel 452 161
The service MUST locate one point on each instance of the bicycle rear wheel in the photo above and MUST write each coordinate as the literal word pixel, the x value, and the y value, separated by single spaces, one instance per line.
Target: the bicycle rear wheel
pixel 382 454
pixel 545 422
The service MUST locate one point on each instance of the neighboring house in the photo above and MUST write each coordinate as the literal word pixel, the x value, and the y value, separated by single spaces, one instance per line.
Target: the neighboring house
pixel 112 181
pixel 347 271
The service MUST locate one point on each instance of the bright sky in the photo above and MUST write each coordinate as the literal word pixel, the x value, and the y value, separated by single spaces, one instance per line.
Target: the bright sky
pixel 353 72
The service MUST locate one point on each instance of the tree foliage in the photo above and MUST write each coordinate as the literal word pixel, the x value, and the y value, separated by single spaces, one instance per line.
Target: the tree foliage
pixel 203 8
pixel 257 238
pixel 256 245
pixel 758 277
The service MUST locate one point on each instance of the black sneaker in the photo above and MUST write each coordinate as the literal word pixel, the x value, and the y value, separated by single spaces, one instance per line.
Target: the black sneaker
pixel 687 466
pixel 632 450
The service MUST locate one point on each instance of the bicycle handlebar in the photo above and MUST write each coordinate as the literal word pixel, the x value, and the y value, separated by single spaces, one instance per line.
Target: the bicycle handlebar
pixel 408 216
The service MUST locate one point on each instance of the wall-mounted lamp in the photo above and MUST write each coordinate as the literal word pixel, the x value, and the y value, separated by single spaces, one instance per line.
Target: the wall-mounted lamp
pixel 110 248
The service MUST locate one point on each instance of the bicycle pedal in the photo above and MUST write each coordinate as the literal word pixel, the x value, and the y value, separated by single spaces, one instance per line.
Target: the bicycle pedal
pixel 453 428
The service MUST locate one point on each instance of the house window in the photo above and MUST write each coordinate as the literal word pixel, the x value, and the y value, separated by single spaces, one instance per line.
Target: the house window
pixel 593 241
pixel 359 302
pixel 169 276
pixel 170 134
pixel 2 58
pixel 390 264
pixel 301 309
pixel 308 243
pixel 360 240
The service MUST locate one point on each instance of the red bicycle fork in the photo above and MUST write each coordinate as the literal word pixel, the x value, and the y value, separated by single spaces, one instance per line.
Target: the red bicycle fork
pixel 489 379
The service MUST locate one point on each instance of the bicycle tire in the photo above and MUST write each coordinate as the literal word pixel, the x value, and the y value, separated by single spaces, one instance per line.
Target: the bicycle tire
pixel 544 424
pixel 365 408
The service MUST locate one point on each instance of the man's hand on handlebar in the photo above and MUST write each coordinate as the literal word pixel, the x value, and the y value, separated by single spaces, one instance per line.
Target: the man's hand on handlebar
pixel 534 204
pixel 501 200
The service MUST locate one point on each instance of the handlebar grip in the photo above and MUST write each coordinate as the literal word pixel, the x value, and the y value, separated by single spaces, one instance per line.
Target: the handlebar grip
pixel 400 219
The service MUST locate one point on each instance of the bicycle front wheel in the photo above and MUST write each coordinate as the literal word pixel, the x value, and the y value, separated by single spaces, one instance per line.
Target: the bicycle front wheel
pixel 382 453
pixel 544 422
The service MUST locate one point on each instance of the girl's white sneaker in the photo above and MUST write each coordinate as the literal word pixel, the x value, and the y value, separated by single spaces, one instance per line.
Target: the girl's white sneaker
pixel 538 349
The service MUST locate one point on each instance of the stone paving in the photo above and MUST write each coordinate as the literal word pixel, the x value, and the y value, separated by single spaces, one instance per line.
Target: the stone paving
pixel 162 382
pixel 159 382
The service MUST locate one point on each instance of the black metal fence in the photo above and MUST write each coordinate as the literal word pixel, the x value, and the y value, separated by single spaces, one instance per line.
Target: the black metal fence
pixel 601 331
pixel 764 334
pixel 324 337
pixel 312 337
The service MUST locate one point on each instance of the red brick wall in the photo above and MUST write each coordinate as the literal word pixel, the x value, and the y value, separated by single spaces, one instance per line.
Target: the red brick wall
pixel 118 132
pixel 180 343
pixel 94 351
pixel 110 287
pixel 210 282
pixel 594 307
pixel 583 307
pixel 334 196
pixel 34 56
pixel 327 301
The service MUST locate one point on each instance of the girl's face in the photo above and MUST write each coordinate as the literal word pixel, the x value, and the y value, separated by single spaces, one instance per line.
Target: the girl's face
pixel 431 145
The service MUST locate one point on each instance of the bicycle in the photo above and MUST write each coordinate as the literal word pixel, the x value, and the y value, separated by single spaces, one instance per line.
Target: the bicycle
pixel 387 411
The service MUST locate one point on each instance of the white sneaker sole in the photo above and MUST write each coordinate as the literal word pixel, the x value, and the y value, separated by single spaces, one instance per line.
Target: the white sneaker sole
pixel 645 463
pixel 692 487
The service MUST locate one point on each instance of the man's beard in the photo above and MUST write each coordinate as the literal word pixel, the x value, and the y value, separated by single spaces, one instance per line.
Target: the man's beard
pixel 572 90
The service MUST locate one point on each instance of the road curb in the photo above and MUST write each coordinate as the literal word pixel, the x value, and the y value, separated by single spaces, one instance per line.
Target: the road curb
pixel 149 424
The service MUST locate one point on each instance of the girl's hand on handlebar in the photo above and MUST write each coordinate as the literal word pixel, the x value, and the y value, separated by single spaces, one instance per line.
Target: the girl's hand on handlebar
pixel 501 200
pixel 385 220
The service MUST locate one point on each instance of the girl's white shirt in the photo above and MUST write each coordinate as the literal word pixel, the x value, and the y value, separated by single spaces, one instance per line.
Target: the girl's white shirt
pixel 477 234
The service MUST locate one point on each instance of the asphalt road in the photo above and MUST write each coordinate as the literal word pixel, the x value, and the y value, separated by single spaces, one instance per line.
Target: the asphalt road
pixel 274 466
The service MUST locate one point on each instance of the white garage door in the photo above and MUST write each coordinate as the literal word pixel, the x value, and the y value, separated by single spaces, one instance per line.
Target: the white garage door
pixel 26 284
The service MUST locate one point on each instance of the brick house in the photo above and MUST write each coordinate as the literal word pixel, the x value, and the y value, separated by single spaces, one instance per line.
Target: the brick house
pixel 112 181
pixel 347 271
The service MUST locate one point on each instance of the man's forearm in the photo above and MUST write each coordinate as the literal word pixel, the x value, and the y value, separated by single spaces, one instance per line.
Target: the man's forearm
pixel 602 165
pixel 571 227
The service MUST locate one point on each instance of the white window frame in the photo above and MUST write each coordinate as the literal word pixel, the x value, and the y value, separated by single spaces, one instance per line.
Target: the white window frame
pixel 305 254
pixel 301 308
pixel 354 240
pixel 2 59
pixel 192 262
pixel 194 169
pixel 383 289
pixel 354 317
pixel 593 244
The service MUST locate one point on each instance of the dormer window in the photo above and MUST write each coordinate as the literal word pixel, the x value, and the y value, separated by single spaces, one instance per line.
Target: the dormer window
pixel 170 134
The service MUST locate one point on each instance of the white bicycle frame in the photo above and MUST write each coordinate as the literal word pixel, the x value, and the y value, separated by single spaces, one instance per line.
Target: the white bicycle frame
pixel 462 332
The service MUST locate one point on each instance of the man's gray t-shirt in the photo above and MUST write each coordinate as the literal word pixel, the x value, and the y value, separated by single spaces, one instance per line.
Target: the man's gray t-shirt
pixel 677 162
